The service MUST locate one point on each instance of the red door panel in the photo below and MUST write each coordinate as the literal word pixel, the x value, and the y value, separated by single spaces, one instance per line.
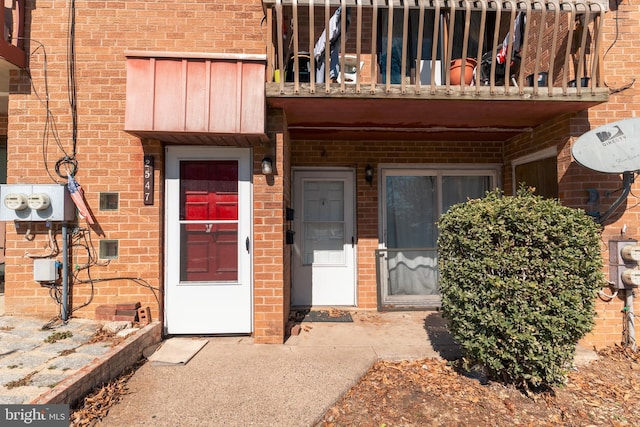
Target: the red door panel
pixel 209 192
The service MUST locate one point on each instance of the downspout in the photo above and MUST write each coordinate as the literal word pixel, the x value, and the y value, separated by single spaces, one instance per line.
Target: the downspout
pixel 631 332
pixel 65 273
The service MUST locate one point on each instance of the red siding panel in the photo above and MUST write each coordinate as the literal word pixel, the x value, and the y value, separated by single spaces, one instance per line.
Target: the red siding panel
pixel 140 89
pixel 168 114
pixel 198 89
pixel 224 100
pixel 175 95
pixel 253 100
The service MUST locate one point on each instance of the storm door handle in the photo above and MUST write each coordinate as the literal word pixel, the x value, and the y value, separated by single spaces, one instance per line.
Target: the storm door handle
pixel 246 243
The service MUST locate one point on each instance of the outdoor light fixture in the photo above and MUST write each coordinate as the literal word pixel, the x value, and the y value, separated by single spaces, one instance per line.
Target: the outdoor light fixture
pixel 368 174
pixel 267 166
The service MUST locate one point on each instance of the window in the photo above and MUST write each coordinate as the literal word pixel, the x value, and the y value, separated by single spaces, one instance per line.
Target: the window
pixel 539 171
pixel 413 201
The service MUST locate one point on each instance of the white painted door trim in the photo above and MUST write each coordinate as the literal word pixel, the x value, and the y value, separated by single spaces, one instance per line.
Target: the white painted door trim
pixel 324 284
pixel 208 307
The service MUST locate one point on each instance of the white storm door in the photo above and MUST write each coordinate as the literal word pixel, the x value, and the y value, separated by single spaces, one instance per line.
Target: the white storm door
pixel 324 240
pixel 208 229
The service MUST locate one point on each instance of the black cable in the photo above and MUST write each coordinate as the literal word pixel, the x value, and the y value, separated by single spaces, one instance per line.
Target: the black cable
pixel 137 280
pixel 50 127
pixel 71 82
pixel 615 40
pixel 67 161
pixel 82 239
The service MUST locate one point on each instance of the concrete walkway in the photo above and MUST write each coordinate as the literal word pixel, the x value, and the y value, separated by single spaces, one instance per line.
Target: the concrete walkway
pixel 230 382
pixel 33 360
pixel 233 382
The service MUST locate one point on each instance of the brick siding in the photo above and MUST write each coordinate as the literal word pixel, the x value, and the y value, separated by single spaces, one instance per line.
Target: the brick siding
pixel 356 155
pixel 110 160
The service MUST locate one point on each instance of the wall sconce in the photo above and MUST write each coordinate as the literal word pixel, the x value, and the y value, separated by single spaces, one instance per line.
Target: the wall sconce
pixel 267 166
pixel 368 174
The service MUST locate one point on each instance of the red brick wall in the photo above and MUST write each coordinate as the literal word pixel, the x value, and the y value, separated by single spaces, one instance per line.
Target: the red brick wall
pixel 357 154
pixel 621 69
pixel 109 160
pixel 4 121
pixel 621 66
pixel 270 257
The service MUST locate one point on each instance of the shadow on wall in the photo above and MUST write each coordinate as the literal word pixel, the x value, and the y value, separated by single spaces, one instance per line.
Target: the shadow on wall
pixel 601 190
pixel 441 339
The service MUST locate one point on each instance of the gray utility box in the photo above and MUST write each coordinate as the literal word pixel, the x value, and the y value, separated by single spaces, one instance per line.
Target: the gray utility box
pixel 36 202
pixel 623 263
pixel 45 270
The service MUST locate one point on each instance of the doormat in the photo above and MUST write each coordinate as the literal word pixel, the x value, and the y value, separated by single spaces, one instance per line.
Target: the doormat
pixel 176 351
pixel 323 316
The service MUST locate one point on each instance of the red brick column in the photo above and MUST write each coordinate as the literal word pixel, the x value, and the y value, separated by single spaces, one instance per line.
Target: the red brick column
pixel 271 307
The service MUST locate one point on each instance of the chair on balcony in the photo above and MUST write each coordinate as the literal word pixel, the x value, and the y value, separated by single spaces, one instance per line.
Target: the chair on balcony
pixel 501 60
pixel 500 69
pixel 351 70
pixel 304 63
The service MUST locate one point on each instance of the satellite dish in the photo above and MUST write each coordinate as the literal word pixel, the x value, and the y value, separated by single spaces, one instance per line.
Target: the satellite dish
pixel 612 148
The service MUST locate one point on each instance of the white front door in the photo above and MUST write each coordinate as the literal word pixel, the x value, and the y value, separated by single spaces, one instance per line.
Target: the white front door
pixel 208 228
pixel 324 240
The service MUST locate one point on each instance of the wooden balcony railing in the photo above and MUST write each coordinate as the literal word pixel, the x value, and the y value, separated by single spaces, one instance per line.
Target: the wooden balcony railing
pixel 12 54
pixel 513 47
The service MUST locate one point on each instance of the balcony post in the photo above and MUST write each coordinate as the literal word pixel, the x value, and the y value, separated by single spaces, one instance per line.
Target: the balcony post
pixel 296 65
pixel 567 56
pixel 483 23
pixel 494 50
pixel 449 48
pixel 374 37
pixel 419 47
pixel 524 48
pixel 358 44
pixel 343 42
pixel 554 43
pixel 434 46
pixel 280 44
pixel 312 56
pixel 596 71
pixel 510 39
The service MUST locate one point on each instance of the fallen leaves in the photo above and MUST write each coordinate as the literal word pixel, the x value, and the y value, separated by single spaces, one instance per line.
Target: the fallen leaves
pixel 24 381
pixel 96 405
pixel 430 392
pixel 105 336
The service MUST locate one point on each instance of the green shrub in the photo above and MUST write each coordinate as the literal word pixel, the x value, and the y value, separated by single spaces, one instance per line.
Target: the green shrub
pixel 518 276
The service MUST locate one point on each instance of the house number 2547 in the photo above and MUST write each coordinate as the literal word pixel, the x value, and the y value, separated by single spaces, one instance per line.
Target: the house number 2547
pixel 148 180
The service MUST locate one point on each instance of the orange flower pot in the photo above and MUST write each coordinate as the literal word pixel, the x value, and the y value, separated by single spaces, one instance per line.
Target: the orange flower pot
pixel 455 71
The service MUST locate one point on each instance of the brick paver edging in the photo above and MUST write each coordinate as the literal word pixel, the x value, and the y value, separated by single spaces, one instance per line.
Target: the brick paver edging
pixel 103 368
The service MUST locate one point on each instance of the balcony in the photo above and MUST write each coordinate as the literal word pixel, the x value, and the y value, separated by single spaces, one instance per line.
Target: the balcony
pixel 12 53
pixel 527 62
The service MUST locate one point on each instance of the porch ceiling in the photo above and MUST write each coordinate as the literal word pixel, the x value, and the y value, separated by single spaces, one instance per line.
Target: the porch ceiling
pixel 402 119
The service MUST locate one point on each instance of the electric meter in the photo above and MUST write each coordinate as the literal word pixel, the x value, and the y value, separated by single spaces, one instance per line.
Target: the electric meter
pixel 16 201
pixel 36 202
pixel 39 201
pixel 630 253
pixel 631 277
